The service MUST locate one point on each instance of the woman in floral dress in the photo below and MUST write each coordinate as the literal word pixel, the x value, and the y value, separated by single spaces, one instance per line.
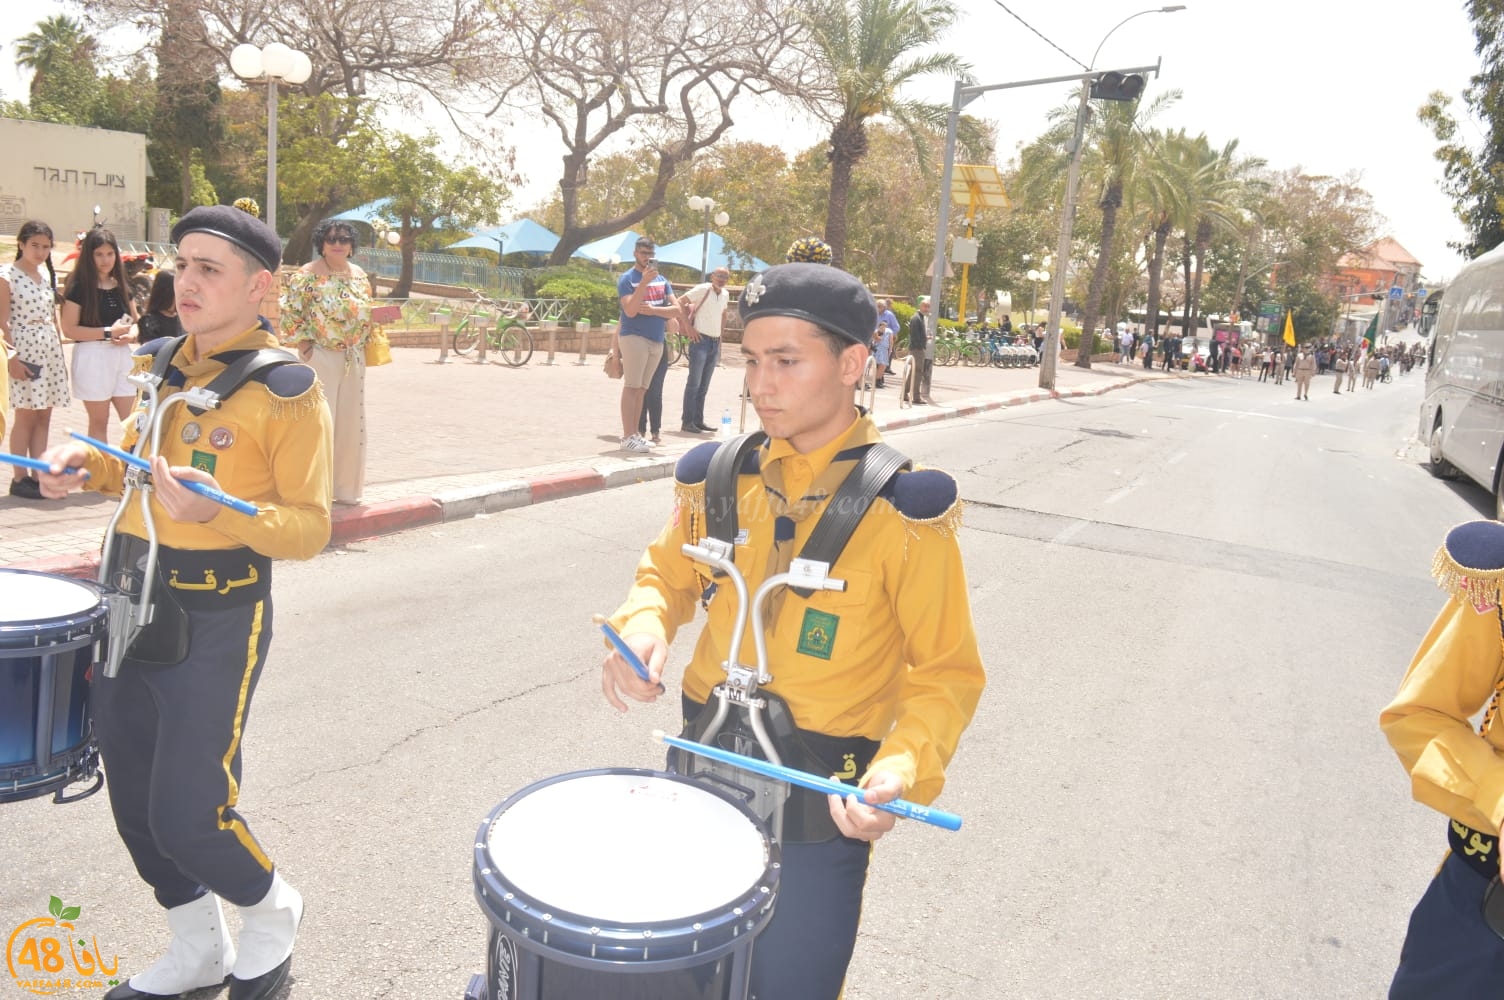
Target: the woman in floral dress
pixel 38 376
pixel 325 312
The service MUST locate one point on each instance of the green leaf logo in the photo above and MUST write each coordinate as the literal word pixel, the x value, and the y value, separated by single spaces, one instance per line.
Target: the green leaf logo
pixel 55 906
pixel 71 912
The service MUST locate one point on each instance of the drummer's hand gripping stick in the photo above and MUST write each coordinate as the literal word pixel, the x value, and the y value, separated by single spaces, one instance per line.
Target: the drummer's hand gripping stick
pixel 130 611
pixel 815 783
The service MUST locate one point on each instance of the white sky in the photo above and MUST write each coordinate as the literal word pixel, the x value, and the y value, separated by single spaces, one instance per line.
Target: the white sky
pixel 1328 85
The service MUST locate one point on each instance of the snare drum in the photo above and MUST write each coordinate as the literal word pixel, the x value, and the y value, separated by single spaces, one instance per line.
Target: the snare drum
pixel 622 883
pixel 49 628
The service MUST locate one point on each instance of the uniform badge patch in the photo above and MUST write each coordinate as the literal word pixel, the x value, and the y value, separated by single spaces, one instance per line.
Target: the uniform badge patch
pixel 221 437
pixel 191 432
pixel 204 461
pixel 817 633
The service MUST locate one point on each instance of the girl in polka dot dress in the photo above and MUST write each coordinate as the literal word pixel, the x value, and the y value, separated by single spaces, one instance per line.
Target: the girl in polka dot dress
pixel 28 319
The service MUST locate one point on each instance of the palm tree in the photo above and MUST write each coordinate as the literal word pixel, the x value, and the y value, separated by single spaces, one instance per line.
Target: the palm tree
pixel 1157 194
pixel 1209 180
pixel 871 49
pixel 1118 150
pixel 57 40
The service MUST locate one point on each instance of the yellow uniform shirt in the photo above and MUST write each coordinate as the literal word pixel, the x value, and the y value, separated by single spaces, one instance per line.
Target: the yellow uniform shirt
pixel 893 658
pixel 1457 672
pixel 264 448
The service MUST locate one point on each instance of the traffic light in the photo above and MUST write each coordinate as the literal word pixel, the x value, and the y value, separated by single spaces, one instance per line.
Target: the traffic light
pixel 1117 87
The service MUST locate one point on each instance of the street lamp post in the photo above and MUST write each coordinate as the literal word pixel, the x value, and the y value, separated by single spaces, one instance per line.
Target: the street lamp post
pixel 706 205
pixel 965 95
pixel 1036 277
pixel 1068 213
pixel 272 63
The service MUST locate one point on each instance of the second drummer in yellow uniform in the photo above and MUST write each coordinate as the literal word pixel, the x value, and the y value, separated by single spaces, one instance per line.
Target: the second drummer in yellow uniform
pixel 880 679
pixel 171 722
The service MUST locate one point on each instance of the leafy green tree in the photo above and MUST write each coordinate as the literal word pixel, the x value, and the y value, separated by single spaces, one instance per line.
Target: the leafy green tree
pixel 1473 176
pixel 58 46
pixel 424 189
pixel 871 50
pixel 186 116
pixel 329 158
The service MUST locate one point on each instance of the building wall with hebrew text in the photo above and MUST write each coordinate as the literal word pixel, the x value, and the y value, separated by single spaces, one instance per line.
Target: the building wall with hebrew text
pixel 59 173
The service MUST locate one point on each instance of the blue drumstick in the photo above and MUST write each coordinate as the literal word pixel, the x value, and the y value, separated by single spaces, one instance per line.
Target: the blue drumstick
pixel 37 465
pixel 898 807
pixel 202 489
pixel 627 653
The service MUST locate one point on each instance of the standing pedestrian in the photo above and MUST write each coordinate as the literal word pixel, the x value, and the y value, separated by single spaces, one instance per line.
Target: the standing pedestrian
pixel 650 423
pixel 1305 370
pixel 706 303
pixel 171 722
pixel 880 680
pixel 161 316
pixel 924 366
pixel 647 303
pixel 37 375
pixel 1339 369
pixel 99 317
pixel 326 313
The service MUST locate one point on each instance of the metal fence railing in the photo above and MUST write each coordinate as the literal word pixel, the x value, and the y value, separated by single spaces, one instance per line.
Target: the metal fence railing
pixel 446 269
pixel 420 312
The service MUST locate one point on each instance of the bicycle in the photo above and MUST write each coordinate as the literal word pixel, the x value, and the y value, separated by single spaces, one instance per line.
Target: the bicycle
pixel 677 345
pixel 509 338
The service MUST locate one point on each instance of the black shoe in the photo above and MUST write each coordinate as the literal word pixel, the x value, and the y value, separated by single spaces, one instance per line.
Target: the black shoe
pixel 262 986
pixel 687 429
pixel 26 488
pixel 706 429
pixel 881 384
pixel 126 992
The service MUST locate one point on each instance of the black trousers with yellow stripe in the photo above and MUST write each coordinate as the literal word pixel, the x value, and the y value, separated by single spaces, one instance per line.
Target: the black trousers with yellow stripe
pixel 170 740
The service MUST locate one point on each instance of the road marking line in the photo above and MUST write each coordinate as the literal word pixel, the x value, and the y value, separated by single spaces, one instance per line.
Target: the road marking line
pixel 1068 532
pixel 1120 494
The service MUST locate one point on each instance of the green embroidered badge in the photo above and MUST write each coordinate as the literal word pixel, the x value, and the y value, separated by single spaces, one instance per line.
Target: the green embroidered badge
pixel 204 461
pixel 817 633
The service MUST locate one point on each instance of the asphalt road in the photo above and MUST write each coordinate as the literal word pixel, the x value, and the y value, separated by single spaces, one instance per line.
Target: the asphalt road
pixel 1193 597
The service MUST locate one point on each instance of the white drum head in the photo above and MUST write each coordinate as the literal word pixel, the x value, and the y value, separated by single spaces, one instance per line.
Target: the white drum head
pixel 628 849
pixel 30 597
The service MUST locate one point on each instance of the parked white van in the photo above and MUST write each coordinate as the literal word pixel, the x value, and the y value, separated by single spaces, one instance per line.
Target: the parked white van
pixel 1462 415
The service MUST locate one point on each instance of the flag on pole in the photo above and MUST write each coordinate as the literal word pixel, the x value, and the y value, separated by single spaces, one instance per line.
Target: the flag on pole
pixel 1371 335
pixel 1289 328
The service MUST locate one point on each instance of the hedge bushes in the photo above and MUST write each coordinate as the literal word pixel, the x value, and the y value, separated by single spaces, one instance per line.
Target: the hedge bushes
pixel 590 292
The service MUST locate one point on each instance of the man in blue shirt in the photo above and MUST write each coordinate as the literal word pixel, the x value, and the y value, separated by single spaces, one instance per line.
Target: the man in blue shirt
pixel 647 302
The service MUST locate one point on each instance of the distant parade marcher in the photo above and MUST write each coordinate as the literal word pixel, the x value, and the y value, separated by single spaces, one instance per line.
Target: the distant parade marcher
pixel 1338 368
pixel 1305 370
pixel 1454 947
pixel 1353 365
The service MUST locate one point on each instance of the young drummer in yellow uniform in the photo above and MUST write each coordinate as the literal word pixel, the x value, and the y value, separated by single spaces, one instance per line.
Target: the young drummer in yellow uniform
pixel 1450 952
pixel 881 678
pixel 170 723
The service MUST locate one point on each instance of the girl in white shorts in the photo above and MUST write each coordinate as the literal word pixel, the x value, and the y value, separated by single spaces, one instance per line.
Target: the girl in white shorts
pixel 99 317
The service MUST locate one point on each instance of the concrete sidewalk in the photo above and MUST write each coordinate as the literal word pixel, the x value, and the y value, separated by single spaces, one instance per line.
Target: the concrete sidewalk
pixel 453 440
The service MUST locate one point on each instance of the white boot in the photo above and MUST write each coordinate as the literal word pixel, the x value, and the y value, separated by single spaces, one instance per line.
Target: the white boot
pixel 267 932
pixel 200 954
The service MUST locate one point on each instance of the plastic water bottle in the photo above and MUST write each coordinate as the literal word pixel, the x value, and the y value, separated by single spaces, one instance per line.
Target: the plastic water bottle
pixel 726 424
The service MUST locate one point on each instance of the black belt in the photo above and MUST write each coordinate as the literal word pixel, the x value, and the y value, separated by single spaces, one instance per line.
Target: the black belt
pixel 1480 851
pixel 211 579
pixel 806 814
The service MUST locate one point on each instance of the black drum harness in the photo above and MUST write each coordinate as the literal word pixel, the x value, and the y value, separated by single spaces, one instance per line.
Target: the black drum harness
pixel 142 623
pixel 757 723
